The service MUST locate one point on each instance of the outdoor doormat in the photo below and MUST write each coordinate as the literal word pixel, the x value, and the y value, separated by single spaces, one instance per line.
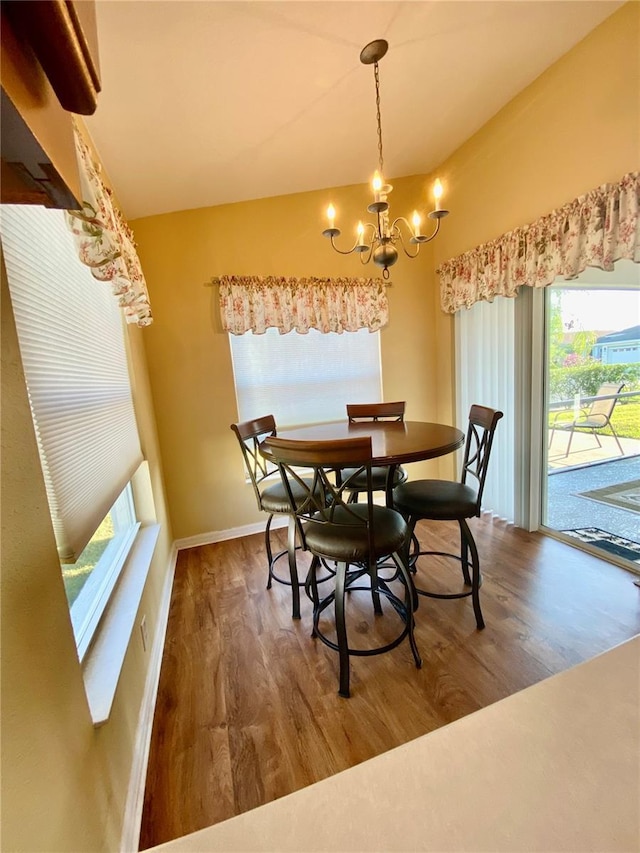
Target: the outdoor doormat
pixel 622 495
pixel 609 542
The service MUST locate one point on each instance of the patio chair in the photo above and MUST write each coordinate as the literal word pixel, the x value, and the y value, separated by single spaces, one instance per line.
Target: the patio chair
pixel 594 418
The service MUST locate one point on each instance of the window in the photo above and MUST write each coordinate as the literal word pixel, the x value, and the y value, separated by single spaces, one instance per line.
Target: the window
pixel 89 581
pixel 71 337
pixel 303 379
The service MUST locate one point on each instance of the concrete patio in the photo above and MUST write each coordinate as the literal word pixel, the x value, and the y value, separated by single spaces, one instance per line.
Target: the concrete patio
pixel 585 450
pixel 586 468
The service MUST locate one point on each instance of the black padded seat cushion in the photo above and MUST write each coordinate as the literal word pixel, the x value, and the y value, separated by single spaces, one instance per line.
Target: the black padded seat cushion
pixel 351 545
pixel 378 478
pixel 274 498
pixel 437 499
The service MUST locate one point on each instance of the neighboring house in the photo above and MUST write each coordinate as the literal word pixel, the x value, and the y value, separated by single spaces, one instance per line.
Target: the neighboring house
pixel 618 347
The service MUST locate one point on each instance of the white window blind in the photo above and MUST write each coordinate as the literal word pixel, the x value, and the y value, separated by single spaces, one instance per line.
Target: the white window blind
pixel 71 339
pixel 303 379
pixel 485 374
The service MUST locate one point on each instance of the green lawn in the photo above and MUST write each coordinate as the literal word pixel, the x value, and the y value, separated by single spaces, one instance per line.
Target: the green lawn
pixel 625 419
pixel 75 575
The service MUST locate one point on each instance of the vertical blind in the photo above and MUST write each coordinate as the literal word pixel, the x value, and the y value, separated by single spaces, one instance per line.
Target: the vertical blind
pixel 70 332
pixel 302 379
pixel 485 368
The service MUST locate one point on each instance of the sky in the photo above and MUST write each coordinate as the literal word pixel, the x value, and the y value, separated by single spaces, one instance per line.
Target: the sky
pixel 600 310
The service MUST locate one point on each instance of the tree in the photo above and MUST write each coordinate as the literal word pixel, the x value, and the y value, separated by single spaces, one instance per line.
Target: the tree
pixel 583 343
pixel 555 329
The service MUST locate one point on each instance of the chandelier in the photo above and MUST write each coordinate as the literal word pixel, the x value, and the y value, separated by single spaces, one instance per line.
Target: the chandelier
pixel 377 241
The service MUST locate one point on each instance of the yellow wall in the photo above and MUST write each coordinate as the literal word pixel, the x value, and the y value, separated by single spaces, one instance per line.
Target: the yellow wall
pixel 189 356
pixel 64 783
pixel 573 128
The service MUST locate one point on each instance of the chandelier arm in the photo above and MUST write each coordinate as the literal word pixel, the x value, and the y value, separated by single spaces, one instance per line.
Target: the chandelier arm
pixel 374 233
pixel 435 231
pixel 395 228
pixel 407 253
pixel 421 239
pixel 342 251
pixel 404 248
pixel 365 257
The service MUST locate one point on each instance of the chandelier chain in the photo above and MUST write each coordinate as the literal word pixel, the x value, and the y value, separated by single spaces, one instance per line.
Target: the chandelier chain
pixel 377 79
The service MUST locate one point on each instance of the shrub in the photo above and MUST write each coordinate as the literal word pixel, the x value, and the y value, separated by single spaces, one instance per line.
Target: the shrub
pixel 585 379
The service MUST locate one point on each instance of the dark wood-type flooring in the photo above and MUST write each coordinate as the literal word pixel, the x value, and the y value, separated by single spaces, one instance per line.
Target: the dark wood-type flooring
pixel 248 709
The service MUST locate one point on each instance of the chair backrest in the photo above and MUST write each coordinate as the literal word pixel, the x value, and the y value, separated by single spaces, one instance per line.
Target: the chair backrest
pixel 319 500
pixel 482 426
pixel 603 409
pixel 250 435
pixel 375 411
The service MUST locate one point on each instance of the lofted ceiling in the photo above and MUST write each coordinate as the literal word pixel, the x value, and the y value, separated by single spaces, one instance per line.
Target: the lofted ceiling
pixel 207 102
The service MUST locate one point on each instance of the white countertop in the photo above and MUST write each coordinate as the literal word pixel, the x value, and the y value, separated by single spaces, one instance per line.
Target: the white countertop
pixel 554 767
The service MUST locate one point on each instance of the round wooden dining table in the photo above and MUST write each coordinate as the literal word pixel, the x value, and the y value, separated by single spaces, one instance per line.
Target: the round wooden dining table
pixel 393 443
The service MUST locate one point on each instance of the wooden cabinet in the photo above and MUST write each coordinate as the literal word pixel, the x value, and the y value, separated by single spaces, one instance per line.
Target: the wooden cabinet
pixel 49 69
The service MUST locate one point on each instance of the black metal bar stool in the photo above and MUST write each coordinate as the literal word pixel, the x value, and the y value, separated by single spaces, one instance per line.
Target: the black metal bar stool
pixel 363 412
pixel 272 499
pixel 442 500
pixel 353 535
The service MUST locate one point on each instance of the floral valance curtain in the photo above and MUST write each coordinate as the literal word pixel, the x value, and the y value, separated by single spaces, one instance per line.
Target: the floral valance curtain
pixel 255 303
pixel 594 230
pixel 105 241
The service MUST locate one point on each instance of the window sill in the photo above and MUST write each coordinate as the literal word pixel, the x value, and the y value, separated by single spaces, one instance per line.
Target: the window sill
pixel 103 662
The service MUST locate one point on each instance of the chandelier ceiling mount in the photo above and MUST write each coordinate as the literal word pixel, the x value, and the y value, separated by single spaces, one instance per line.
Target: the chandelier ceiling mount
pixel 380 243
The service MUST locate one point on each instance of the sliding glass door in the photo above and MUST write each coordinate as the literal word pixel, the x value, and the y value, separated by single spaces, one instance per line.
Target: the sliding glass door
pixel 563 364
pixel 591 421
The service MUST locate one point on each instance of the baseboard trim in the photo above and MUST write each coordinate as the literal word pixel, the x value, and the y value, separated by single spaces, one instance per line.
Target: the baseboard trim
pixel 135 794
pixel 232 533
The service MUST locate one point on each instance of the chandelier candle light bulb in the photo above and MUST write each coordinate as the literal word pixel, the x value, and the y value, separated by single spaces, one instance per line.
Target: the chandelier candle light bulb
pixel 437 192
pixel 385 234
pixel 377 185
